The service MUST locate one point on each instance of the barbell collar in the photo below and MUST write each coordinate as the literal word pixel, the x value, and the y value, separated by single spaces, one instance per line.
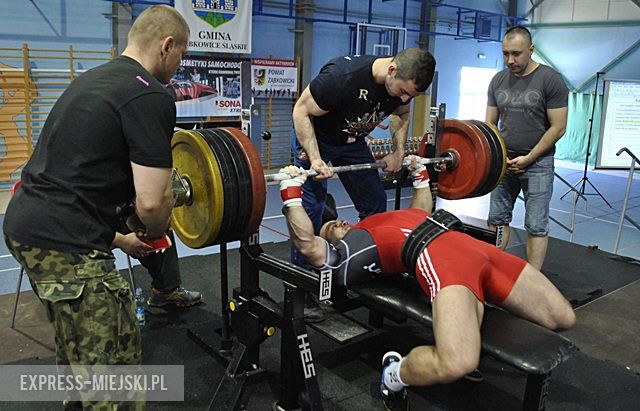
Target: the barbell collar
pixel 359 167
pixel 181 189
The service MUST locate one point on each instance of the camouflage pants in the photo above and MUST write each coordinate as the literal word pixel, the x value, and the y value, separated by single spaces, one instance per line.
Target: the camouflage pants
pixel 92 308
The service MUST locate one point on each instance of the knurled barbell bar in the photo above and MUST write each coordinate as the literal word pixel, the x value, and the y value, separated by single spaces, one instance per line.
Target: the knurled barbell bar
pixel 220 187
pixel 447 158
pixel 182 190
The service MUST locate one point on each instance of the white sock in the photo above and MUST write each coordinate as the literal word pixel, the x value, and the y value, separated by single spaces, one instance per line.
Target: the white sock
pixel 392 377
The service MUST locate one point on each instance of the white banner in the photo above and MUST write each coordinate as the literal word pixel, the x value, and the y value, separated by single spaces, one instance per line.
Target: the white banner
pixel 221 26
pixel 274 78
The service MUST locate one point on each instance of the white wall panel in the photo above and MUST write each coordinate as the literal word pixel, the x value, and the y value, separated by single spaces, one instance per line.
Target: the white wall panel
pixel 553 12
pixel 576 11
pixel 590 10
pixel 624 10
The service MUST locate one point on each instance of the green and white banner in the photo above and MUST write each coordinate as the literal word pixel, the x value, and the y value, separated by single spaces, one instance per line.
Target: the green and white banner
pixel 274 78
pixel 220 26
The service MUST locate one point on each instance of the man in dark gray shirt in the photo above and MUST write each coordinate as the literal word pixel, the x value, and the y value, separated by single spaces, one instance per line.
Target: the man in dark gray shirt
pixel 530 102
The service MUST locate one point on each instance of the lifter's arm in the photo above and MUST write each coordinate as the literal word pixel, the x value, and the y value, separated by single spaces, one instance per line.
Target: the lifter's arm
pixel 422 197
pixel 312 247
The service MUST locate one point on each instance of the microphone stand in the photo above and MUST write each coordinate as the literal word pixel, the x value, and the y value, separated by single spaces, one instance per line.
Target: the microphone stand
pixel 585 179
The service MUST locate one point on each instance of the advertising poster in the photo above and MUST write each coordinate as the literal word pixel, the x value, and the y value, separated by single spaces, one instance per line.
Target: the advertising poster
pixel 207 87
pixel 274 78
pixel 220 26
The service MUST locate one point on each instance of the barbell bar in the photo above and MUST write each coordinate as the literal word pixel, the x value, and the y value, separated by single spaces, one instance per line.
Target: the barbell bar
pixel 359 167
pixel 220 188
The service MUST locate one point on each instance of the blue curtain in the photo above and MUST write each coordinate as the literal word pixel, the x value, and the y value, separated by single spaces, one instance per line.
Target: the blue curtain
pixel 573 145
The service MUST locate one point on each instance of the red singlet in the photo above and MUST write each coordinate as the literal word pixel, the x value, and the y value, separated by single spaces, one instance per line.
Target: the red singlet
pixel 389 231
pixel 452 258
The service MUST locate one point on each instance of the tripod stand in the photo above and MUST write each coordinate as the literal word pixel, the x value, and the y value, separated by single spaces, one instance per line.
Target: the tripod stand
pixel 585 179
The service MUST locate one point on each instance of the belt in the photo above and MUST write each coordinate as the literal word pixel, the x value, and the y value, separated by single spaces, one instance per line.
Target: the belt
pixel 439 222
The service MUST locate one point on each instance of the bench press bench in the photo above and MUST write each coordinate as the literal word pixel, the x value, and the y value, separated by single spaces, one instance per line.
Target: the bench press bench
pixel 509 339
pixel 512 340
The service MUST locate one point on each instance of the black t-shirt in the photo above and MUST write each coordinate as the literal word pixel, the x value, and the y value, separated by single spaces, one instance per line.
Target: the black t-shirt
pixel 80 172
pixel 355 103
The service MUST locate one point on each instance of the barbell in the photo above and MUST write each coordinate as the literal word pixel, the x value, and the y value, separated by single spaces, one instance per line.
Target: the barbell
pixel 447 158
pixel 220 188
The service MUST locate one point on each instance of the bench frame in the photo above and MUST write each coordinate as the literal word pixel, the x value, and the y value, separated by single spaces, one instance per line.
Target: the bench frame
pixel 299 388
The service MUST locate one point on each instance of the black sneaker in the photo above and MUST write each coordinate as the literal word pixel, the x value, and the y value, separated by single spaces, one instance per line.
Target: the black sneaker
pixel 178 297
pixel 475 376
pixel 392 400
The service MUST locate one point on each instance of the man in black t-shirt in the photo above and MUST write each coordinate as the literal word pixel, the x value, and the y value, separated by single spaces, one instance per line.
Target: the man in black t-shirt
pixel 106 142
pixel 348 98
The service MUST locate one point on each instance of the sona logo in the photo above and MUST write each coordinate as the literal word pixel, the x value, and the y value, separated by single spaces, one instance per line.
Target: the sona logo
pixel 306 357
pixel 215 12
pixel 228 103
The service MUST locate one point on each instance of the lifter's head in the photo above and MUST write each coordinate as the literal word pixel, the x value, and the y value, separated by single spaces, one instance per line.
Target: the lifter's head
pixel 334 230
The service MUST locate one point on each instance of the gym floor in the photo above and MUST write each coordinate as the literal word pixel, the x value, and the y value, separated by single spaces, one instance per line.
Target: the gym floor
pixel 607 329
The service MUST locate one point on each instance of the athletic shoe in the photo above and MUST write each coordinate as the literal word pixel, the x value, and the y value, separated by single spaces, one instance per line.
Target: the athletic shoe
pixel 178 297
pixel 392 400
pixel 475 376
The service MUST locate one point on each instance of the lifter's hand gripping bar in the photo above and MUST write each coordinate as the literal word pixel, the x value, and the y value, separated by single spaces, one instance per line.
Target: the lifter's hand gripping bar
pixel 359 167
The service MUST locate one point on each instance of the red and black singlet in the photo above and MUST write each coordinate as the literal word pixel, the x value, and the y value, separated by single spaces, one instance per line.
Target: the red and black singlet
pixel 373 246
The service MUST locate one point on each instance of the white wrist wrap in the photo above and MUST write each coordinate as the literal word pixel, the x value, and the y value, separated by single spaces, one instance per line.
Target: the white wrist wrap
pixel 291 192
pixel 420 177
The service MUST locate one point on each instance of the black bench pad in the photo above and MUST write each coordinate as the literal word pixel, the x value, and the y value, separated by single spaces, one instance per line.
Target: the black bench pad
pixel 510 339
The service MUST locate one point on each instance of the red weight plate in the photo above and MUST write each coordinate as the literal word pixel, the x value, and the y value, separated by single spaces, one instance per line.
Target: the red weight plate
pixel 473 162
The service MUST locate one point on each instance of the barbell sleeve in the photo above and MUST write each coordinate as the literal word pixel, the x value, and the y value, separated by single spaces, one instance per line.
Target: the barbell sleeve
pixel 357 167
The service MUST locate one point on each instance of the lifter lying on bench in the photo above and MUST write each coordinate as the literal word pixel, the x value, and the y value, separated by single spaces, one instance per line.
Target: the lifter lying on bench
pixel 457 272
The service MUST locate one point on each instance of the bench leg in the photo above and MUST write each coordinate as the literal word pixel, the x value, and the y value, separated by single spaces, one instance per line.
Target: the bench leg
pixel 536 391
